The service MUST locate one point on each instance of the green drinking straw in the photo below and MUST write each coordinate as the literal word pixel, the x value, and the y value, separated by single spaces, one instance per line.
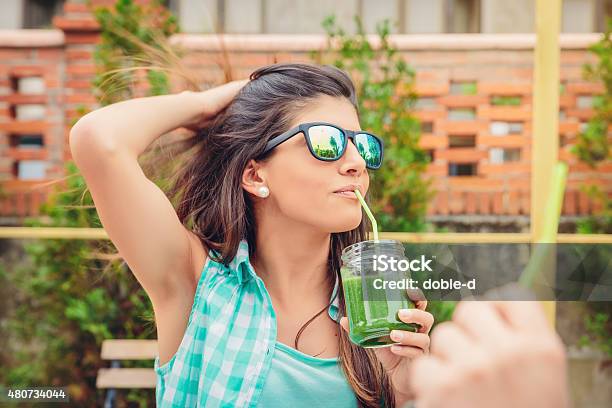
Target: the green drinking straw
pixel 370 216
pixel 551 224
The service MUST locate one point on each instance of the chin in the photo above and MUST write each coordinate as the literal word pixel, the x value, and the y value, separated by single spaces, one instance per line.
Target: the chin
pixel 347 224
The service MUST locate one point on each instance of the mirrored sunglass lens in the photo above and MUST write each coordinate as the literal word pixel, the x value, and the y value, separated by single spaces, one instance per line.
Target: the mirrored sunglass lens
pixel 369 148
pixel 327 142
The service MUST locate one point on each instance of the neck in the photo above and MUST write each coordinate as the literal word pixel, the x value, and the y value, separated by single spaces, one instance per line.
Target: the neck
pixel 291 259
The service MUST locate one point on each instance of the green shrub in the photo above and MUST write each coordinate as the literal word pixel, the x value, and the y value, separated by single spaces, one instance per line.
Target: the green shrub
pixel 130 35
pixel 67 300
pixel 592 146
pixel 598 326
pixel 74 293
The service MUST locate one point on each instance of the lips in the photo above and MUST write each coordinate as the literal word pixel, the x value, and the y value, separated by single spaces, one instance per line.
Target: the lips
pixel 349 190
pixel 348 194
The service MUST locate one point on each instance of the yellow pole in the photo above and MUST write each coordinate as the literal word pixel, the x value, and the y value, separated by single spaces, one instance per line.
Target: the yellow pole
pixel 545 138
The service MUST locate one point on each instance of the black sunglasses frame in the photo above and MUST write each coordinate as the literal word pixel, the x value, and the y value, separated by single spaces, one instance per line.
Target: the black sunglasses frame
pixel 303 128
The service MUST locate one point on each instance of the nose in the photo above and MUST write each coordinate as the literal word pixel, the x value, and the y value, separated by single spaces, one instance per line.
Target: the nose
pixel 351 161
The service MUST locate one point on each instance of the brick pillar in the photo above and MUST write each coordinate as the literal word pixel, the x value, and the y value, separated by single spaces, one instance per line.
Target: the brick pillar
pixel 82 33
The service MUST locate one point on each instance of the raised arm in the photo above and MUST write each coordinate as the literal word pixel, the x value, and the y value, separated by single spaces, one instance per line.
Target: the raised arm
pixel 138 217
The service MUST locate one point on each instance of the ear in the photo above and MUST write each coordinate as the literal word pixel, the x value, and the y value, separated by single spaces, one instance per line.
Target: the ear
pixel 253 177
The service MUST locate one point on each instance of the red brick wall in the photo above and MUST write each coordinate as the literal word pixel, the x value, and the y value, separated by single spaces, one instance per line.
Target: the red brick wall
pixel 499 188
pixel 47 63
pixel 494 66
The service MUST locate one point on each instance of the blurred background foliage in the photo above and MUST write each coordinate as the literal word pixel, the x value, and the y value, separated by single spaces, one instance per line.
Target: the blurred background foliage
pixel 129 34
pixel 592 144
pixel 72 294
pixel 65 300
pixel 593 148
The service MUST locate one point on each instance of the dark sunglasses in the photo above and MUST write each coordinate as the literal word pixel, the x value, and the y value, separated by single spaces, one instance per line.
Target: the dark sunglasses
pixel 328 142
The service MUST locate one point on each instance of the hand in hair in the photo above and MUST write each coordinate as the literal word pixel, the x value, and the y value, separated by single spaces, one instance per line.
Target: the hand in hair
pixel 492 354
pixel 397 359
pixel 213 101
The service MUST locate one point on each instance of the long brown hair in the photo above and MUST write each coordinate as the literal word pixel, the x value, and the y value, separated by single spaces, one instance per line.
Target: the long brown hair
pixel 210 200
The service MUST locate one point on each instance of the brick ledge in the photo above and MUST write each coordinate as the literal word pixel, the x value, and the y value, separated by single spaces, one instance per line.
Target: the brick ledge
pixel 428 42
pixel 307 42
pixel 30 38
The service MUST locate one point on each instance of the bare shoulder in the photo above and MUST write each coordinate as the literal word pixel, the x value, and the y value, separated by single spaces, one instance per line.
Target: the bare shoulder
pixel 199 255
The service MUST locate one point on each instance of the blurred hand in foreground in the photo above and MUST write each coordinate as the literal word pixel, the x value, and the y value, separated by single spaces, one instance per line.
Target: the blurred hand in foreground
pixel 492 354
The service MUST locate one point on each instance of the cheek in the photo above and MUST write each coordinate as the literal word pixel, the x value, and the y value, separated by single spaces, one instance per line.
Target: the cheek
pixel 298 167
pixel 300 187
pixel 304 193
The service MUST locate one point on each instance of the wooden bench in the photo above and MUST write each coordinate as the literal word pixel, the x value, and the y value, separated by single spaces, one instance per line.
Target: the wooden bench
pixel 117 377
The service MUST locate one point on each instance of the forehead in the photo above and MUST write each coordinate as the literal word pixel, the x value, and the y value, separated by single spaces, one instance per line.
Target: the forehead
pixel 336 110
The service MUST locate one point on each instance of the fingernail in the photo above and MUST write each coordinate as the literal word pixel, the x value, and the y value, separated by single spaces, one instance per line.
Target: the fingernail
pixel 396 335
pixel 405 313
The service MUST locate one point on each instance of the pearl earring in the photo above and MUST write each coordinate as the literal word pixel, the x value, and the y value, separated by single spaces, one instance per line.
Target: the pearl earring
pixel 263 191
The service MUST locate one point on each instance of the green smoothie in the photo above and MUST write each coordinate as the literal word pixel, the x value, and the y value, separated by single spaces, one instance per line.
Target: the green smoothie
pixel 372 317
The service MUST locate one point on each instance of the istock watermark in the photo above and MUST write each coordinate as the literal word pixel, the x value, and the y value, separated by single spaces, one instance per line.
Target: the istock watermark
pixel 385 263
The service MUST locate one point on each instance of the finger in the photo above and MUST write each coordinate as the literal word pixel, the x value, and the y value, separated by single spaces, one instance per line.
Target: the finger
pixel 450 342
pixel 407 338
pixel 407 351
pixel 220 96
pixel 481 320
pixel 242 81
pixel 421 317
pixel 421 304
pixel 416 295
pixel 524 315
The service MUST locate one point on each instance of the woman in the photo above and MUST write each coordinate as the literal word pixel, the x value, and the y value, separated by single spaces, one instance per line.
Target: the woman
pixel 237 273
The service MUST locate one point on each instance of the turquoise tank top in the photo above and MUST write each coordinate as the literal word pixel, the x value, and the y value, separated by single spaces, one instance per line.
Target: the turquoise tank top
pixel 298 380
pixel 229 350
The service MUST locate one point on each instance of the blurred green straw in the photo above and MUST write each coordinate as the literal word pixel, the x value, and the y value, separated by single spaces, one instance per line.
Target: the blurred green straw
pixel 369 213
pixel 551 225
